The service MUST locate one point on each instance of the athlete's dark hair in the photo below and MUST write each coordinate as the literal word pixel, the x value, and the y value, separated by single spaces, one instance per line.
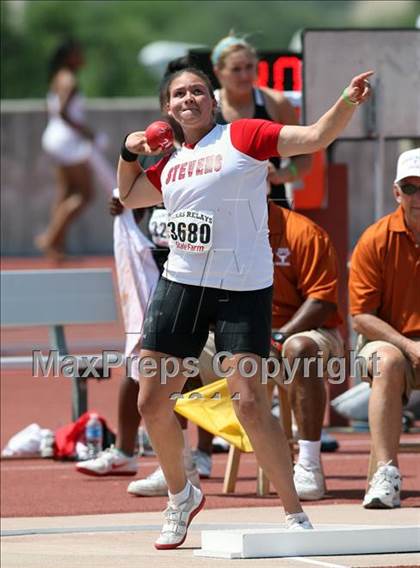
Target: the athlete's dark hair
pixel 168 80
pixel 178 64
pixel 60 56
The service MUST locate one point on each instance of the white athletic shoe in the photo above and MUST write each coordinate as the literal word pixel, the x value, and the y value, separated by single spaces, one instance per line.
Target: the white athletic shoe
pixel 109 462
pixel 309 483
pixel 384 488
pixel 154 485
pixel 298 521
pixel 203 463
pixel 178 519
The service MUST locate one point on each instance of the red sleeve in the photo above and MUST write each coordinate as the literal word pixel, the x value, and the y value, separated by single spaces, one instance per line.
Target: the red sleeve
pixel 256 137
pixel 154 172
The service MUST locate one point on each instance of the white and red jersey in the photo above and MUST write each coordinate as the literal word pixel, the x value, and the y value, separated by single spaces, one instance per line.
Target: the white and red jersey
pixel 215 195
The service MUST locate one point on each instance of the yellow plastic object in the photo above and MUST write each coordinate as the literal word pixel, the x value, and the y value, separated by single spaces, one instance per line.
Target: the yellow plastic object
pixel 211 408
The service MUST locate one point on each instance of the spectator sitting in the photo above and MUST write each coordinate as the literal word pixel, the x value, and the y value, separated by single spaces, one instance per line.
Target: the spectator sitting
pixel 385 306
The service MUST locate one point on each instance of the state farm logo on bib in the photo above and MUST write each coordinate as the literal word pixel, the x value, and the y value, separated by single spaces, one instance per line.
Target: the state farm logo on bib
pixel 190 231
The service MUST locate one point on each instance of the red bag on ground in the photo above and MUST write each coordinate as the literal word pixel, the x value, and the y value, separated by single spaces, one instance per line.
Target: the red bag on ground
pixel 67 436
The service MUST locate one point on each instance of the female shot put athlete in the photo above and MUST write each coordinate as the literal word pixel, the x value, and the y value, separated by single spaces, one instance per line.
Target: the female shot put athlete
pixel 219 273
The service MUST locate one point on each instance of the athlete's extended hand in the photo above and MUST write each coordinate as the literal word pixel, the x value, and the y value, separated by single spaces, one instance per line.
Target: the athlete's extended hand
pixel 137 144
pixel 359 89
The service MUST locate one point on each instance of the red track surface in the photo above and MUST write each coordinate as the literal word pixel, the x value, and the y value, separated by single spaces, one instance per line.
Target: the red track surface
pixel 35 487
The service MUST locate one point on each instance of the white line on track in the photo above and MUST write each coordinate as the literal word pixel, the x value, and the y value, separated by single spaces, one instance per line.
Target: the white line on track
pixel 62 467
pixel 150 463
pixel 14 464
pixel 312 561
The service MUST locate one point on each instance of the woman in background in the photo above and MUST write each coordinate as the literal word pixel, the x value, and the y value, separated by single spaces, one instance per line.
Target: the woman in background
pixel 69 142
pixel 235 66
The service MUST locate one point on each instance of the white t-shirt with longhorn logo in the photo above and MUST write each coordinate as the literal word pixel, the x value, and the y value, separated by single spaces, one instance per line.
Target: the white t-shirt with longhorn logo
pixel 215 195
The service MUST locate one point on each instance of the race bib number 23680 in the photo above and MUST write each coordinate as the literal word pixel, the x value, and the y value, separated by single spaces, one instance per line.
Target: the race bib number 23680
pixel 190 231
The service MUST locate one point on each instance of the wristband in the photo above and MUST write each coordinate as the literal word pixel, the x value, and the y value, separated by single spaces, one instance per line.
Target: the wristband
pixel 125 153
pixel 277 340
pixel 347 100
pixel 293 169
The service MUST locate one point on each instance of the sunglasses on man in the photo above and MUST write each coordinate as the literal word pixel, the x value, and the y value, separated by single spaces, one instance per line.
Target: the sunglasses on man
pixel 409 188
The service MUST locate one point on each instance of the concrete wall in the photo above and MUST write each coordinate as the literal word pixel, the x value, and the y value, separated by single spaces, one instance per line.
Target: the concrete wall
pixel 27 175
pixel 28 186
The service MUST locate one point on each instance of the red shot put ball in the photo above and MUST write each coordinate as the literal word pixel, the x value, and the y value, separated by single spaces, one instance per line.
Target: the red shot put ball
pixel 159 134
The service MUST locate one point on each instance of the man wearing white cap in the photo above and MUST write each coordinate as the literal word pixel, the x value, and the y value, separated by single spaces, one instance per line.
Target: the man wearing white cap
pixel 385 307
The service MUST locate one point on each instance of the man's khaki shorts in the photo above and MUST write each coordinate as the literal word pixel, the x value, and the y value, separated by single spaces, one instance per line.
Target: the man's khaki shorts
pixel 329 341
pixel 366 350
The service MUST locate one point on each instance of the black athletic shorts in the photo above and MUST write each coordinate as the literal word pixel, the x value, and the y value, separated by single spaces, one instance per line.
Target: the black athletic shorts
pixel 180 316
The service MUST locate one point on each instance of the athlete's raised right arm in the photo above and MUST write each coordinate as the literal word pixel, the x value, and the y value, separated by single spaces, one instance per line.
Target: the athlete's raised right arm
pixel 134 186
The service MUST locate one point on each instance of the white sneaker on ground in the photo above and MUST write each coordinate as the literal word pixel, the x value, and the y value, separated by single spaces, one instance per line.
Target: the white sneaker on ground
pixel 109 462
pixel 384 488
pixel 298 521
pixel 309 483
pixel 203 463
pixel 154 485
pixel 178 519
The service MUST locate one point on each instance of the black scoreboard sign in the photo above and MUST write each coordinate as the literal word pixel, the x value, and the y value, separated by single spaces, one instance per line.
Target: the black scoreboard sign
pixel 278 70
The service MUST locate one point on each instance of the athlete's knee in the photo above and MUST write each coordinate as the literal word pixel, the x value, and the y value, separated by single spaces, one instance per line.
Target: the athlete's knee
pixel 249 408
pixel 151 405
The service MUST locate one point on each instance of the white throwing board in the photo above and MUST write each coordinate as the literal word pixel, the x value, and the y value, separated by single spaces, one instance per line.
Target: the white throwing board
pixel 324 540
